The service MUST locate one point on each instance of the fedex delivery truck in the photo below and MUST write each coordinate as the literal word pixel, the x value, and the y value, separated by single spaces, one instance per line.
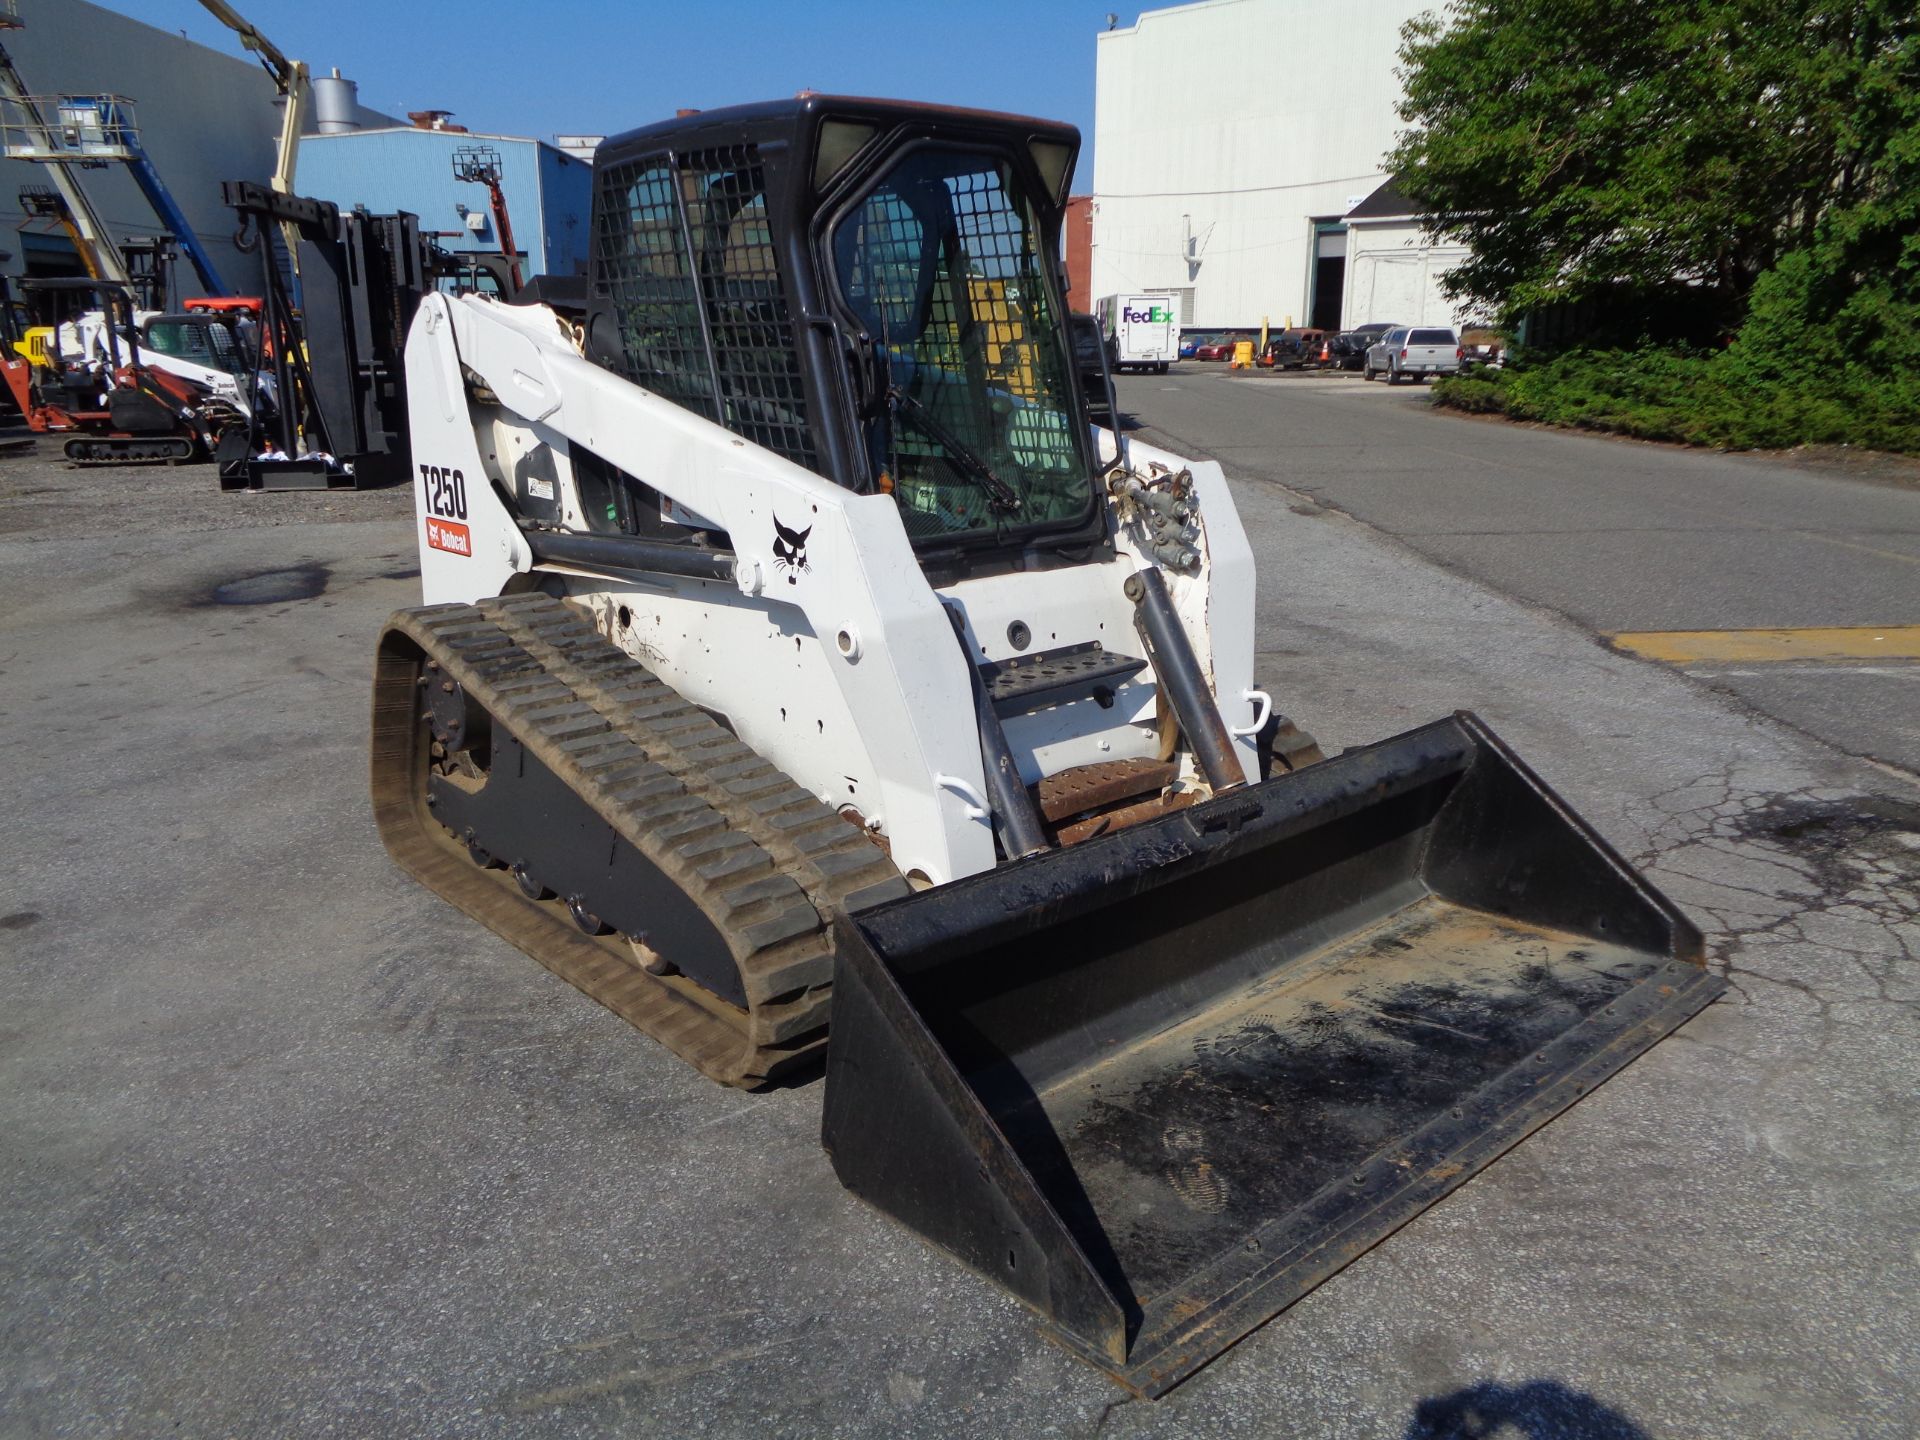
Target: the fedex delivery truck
pixel 1144 330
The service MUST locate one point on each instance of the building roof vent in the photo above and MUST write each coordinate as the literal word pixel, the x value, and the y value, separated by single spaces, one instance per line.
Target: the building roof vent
pixel 435 120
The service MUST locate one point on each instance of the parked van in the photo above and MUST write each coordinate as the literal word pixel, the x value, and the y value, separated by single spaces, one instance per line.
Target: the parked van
pixel 1143 331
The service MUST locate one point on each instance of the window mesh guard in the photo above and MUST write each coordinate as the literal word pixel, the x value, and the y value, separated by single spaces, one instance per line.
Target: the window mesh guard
pixel 686 252
pixel 942 264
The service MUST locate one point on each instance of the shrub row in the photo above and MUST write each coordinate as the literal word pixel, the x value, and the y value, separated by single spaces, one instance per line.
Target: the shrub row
pixel 1724 400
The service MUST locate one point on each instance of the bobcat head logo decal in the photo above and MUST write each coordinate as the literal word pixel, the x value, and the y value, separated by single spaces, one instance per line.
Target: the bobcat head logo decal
pixel 790 551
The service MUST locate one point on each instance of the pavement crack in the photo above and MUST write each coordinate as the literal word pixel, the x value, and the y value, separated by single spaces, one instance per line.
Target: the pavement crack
pixel 641 1379
pixel 1107 1412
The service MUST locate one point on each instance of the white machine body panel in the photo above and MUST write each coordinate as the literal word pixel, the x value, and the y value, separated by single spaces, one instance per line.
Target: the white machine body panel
pixel 835 658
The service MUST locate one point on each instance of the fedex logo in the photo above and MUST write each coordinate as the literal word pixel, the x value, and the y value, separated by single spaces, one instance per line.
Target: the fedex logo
pixel 1152 315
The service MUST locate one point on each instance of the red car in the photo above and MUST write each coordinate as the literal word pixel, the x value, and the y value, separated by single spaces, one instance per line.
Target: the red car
pixel 1215 349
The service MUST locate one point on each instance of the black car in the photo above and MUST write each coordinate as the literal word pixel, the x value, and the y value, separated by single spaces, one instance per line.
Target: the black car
pixel 1348 350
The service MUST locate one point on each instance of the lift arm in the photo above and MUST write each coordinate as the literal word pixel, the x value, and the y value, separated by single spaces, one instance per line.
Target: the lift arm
pixel 293 81
pixel 497 198
pixel 480 164
pixel 45 204
pixel 117 121
pixel 291 76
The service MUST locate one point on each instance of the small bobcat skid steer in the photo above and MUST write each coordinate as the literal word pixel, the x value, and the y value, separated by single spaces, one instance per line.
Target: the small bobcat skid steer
pixel 791 635
pixel 113 407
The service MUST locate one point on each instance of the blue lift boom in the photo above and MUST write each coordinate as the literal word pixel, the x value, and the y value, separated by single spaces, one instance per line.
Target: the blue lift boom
pixel 122 140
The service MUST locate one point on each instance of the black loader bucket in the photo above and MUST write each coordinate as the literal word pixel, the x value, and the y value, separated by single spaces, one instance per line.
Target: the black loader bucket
pixel 1161 1084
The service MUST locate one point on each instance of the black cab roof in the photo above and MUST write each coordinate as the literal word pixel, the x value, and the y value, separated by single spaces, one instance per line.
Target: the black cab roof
pixel 796 121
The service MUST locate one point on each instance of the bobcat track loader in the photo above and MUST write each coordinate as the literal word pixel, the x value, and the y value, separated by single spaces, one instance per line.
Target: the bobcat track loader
pixel 793 640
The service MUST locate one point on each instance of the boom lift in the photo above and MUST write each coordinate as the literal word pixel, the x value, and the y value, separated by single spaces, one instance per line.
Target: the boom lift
pixel 113 132
pixel 792 636
pixel 26 135
pixel 88 132
pixel 43 202
pixel 480 164
pixel 294 82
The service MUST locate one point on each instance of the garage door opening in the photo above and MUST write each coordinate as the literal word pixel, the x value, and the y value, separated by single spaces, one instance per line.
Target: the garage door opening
pixel 48 255
pixel 1327 275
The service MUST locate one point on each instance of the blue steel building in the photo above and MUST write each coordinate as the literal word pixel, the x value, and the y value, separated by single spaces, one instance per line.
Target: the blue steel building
pixel 548 192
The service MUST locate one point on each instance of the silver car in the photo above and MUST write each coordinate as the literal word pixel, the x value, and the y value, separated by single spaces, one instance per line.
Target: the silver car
pixel 1414 351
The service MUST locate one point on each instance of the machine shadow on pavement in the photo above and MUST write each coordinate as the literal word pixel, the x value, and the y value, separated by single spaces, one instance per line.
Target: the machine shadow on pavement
pixel 1536 1410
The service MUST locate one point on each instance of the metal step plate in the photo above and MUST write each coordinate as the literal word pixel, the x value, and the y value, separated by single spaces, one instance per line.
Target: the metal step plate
pixel 1052 677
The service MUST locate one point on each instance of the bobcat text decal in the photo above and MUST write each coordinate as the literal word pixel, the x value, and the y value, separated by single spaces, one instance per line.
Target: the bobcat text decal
pixel 450 536
pixel 445 496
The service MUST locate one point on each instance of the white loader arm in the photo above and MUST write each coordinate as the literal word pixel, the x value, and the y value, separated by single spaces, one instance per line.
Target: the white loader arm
pixel 854 579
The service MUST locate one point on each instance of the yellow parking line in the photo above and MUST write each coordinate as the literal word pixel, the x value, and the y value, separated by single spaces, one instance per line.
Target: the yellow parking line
pixel 1831 642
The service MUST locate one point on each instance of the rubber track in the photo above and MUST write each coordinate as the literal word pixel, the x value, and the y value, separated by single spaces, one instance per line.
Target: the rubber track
pixel 167 450
pixel 767 862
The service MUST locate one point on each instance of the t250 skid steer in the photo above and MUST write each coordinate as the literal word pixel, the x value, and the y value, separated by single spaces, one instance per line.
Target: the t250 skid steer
pixel 791 634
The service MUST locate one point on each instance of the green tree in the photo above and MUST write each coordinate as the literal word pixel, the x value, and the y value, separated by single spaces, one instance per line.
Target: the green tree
pixel 1579 146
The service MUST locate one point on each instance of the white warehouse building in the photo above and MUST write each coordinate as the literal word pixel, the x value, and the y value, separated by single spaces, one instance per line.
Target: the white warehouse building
pixel 1393 271
pixel 1233 190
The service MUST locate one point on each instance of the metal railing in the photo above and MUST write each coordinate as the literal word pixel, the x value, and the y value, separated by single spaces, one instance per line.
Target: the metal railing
pixel 91 131
pixel 477 163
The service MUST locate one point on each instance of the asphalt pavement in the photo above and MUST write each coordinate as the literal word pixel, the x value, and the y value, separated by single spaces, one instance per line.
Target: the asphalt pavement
pixel 289 1147
pixel 1618 536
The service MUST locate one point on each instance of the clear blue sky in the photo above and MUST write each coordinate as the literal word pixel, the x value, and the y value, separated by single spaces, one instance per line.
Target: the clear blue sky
pixel 541 67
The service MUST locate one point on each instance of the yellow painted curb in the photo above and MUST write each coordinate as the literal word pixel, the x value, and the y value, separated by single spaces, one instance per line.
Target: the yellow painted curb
pixel 1845 642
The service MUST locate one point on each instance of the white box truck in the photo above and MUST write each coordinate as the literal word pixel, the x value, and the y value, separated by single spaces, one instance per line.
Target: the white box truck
pixel 1143 331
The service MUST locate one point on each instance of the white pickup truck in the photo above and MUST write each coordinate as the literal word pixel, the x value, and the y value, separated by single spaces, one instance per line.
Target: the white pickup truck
pixel 1413 351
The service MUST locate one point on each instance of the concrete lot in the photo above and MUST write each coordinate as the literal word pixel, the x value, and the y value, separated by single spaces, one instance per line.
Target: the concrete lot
pixel 292 1148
